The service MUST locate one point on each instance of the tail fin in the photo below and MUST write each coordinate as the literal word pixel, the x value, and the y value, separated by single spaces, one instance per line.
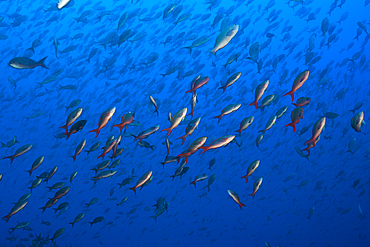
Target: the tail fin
pixel 64 127
pixel 96 131
pixel 308 149
pixel 30 171
pixel 195 184
pixel 3 144
pixel 295 104
pixel 291 93
pixel 241 205
pixel 184 156
pixel 223 88
pixel 7 217
pixel 246 178
pixel 120 126
pixel 239 131
pixel 205 148
pixel 9 157
pixel 102 155
pixel 255 103
pixel 154 217
pixel 74 157
pixel 292 124
pixel 213 52
pixel 68 134
pixel 41 62
pixel 72 223
pixel 88 151
pixel 252 194
pixel 219 117
pixel 191 114
pixel 183 138
pixel 32 49
pixel 312 141
pixel 169 130
pixel 92 223
pixel 134 189
pixel 190 48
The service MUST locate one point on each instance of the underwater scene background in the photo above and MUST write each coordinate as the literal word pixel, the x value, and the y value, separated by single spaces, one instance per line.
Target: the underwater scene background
pixel 126 79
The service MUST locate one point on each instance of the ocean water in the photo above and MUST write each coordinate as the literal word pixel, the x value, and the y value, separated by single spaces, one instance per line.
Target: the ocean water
pixel 123 56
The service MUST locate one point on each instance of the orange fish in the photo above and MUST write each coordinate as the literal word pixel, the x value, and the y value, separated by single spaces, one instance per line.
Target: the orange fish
pixel 142 180
pixel 197 84
pixel 251 168
pixel 227 110
pixel 190 129
pixel 176 120
pixel 71 118
pixel 261 88
pixel 297 114
pixel 125 121
pixel 298 82
pixel 219 142
pixel 316 131
pixel 79 149
pixel 194 146
pixel 104 118
pixel 235 197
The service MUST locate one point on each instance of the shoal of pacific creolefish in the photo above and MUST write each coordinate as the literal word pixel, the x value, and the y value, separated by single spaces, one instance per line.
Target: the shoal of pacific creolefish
pixel 225 36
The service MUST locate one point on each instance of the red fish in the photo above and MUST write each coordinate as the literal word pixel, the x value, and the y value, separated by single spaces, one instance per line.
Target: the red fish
pixel 125 121
pixel 297 114
pixel 298 82
pixel 104 118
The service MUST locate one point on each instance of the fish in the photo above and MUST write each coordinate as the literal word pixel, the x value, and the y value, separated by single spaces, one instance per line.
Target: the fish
pixel 235 197
pixel 22 150
pixel 189 129
pixel 72 117
pixel 296 116
pixel 176 119
pixel 79 149
pixel 261 88
pixel 126 119
pixel 358 120
pixel 224 38
pixel 251 168
pixel 316 131
pixel 26 63
pixel 227 110
pixel 256 186
pixel 298 83
pixel 199 178
pixel 245 123
pixel 105 117
pixel 62 3
pixel 154 104
pixel 143 179
pixel 219 142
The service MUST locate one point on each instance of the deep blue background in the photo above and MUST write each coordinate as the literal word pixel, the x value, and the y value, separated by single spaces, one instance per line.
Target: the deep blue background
pixel 278 214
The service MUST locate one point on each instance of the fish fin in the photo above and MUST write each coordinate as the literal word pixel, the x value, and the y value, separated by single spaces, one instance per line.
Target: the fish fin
pixel 120 126
pixel 169 130
pixel 255 103
pixel 246 178
pixel 205 148
pixel 292 124
pixel 182 138
pixel 252 194
pixel 219 117
pixel 241 205
pixel 74 157
pixel 295 104
pixel 291 93
pixel 195 184
pixel 134 189
pixel 41 62
pixel 64 127
pixel 9 157
pixel 154 217
pixel 96 131
pixel 213 52
pixel 239 131
pixel 190 48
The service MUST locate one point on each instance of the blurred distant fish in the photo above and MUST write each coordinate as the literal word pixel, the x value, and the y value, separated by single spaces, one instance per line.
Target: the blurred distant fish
pixel 26 63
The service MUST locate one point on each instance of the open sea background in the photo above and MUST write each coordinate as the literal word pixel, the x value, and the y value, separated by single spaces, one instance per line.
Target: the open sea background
pixel 320 200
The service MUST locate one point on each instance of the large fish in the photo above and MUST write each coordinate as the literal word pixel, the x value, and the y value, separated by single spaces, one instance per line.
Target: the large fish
pixel 224 38
pixel 26 63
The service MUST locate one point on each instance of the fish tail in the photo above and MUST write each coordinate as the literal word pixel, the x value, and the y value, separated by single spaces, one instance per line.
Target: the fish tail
pixel 182 138
pixel 74 157
pixel 219 117
pixel 169 130
pixel 191 114
pixel 154 217
pixel 246 178
pixel 32 49
pixel 120 126
pixel 68 134
pixel 88 151
pixel 292 124
pixel 41 62
pixel 213 52
pixel 64 127
pixel 102 155
pixel 239 131
pixel 252 194
pixel 7 217
pixel 97 131
pixel 295 104
pixel 291 93
pixel 92 223
pixel 134 189
pixel 241 205
pixel 190 48
pixel 308 149
pixel 3 144
pixel 223 88
pixel 193 90
pixel 184 156
pixel 255 103
pixel 353 111
pixel 205 148
pixel 30 172
pixel 72 223
pixel 43 209
pixel 195 184
pixel 9 157
pixel 312 141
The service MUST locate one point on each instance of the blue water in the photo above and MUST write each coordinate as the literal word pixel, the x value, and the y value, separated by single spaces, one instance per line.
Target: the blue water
pixel 332 182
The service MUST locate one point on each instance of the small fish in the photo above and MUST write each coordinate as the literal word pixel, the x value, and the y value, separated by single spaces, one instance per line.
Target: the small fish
pixel 26 63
